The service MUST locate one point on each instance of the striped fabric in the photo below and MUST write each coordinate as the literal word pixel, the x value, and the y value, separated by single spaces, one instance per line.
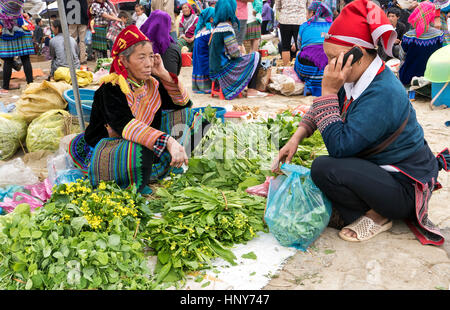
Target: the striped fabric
pixel 326 111
pixel 139 132
pixel 311 76
pixel 18 47
pixel 144 102
pixel 233 76
pixel 253 31
pixel 99 41
pixel 308 122
pixel 80 152
pixel 121 161
pixel 232 46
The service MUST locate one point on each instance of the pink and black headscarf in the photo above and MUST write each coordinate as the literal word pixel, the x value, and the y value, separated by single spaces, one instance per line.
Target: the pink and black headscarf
pixel 422 17
pixel 322 10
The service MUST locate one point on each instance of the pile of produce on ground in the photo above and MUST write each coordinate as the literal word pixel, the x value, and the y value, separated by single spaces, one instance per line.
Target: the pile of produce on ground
pixel 86 238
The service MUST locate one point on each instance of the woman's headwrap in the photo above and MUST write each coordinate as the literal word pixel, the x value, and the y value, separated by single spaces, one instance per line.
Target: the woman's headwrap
pixel 118 74
pixel 157 29
pixel 204 19
pixel 225 11
pixel 321 10
pixel 362 23
pixel 422 16
pixel 10 11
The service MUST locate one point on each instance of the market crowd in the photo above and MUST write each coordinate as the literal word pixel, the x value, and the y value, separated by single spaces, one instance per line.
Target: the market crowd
pixel 379 168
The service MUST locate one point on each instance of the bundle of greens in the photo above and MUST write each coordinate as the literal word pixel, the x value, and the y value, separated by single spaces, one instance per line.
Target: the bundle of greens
pixel 80 239
pixel 104 63
pixel 199 224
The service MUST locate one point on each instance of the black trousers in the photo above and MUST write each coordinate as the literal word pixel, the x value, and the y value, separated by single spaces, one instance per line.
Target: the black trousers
pixel 354 186
pixel 288 32
pixel 8 66
pixel 254 80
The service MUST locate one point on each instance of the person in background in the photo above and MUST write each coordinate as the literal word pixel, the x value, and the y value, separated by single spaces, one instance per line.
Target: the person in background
pixel 167 6
pixel 38 36
pixel 445 24
pixel 146 5
pixel 311 59
pixel 116 27
pixel 393 13
pixel 254 20
pixel 291 14
pixel 102 13
pixel 211 3
pixel 419 43
pixel 78 24
pixel 267 18
pixel 57 50
pixel 240 27
pixel 201 83
pixel 15 41
pixel 139 15
pixel 186 30
pixel 227 67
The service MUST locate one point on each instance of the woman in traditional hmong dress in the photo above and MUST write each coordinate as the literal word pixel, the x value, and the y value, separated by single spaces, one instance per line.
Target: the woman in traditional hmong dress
pixel 187 27
pixel 201 83
pixel 311 60
pixel 123 140
pixel 253 32
pixel 102 14
pixel 15 40
pixel 232 71
pixel 380 167
pixel 419 43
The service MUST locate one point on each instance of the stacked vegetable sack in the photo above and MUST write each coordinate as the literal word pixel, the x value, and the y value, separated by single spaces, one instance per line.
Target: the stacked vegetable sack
pixel 86 238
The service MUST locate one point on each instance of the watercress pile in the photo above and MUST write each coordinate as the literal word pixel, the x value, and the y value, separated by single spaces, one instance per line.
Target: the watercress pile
pixel 80 239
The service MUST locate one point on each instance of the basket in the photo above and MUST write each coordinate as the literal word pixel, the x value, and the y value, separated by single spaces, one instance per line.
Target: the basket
pixel 186 59
pixel 220 112
pixel 86 98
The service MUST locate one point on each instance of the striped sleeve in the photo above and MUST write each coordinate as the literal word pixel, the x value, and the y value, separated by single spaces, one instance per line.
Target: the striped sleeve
pixel 326 111
pixel 139 132
pixel 176 90
pixel 232 46
pixel 308 122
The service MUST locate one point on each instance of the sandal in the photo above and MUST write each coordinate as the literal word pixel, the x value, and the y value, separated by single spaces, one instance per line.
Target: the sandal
pixel 258 95
pixel 365 229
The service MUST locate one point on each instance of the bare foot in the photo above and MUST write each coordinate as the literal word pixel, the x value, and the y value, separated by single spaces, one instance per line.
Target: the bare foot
pixel 377 218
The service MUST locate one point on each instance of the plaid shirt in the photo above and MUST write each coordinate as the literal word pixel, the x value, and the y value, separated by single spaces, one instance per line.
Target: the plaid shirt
pixel 97 10
pixel 114 29
pixel 160 144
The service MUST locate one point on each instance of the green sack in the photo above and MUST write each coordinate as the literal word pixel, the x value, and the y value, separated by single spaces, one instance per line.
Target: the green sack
pixel 13 130
pixel 438 66
pixel 46 131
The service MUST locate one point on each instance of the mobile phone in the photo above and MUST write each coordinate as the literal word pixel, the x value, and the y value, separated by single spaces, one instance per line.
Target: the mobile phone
pixel 357 54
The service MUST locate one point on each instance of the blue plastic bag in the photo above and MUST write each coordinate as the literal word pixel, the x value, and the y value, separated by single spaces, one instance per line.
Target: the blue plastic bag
pixel 68 176
pixel 297 211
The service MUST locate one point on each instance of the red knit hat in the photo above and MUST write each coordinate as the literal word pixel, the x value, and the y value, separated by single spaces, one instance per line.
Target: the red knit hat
pixel 118 73
pixel 362 23
pixel 126 38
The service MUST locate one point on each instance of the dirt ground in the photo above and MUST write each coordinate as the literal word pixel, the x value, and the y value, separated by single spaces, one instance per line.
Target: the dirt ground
pixel 391 261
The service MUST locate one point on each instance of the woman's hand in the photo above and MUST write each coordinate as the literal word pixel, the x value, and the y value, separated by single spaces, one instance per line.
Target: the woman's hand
pixel 177 152
pixel 334 76
pixel 159 70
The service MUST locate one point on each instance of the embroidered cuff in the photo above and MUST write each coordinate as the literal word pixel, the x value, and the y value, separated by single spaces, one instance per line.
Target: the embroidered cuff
pixel 326 111
pixel 160 144
pixel 176 90
pixel 308 122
